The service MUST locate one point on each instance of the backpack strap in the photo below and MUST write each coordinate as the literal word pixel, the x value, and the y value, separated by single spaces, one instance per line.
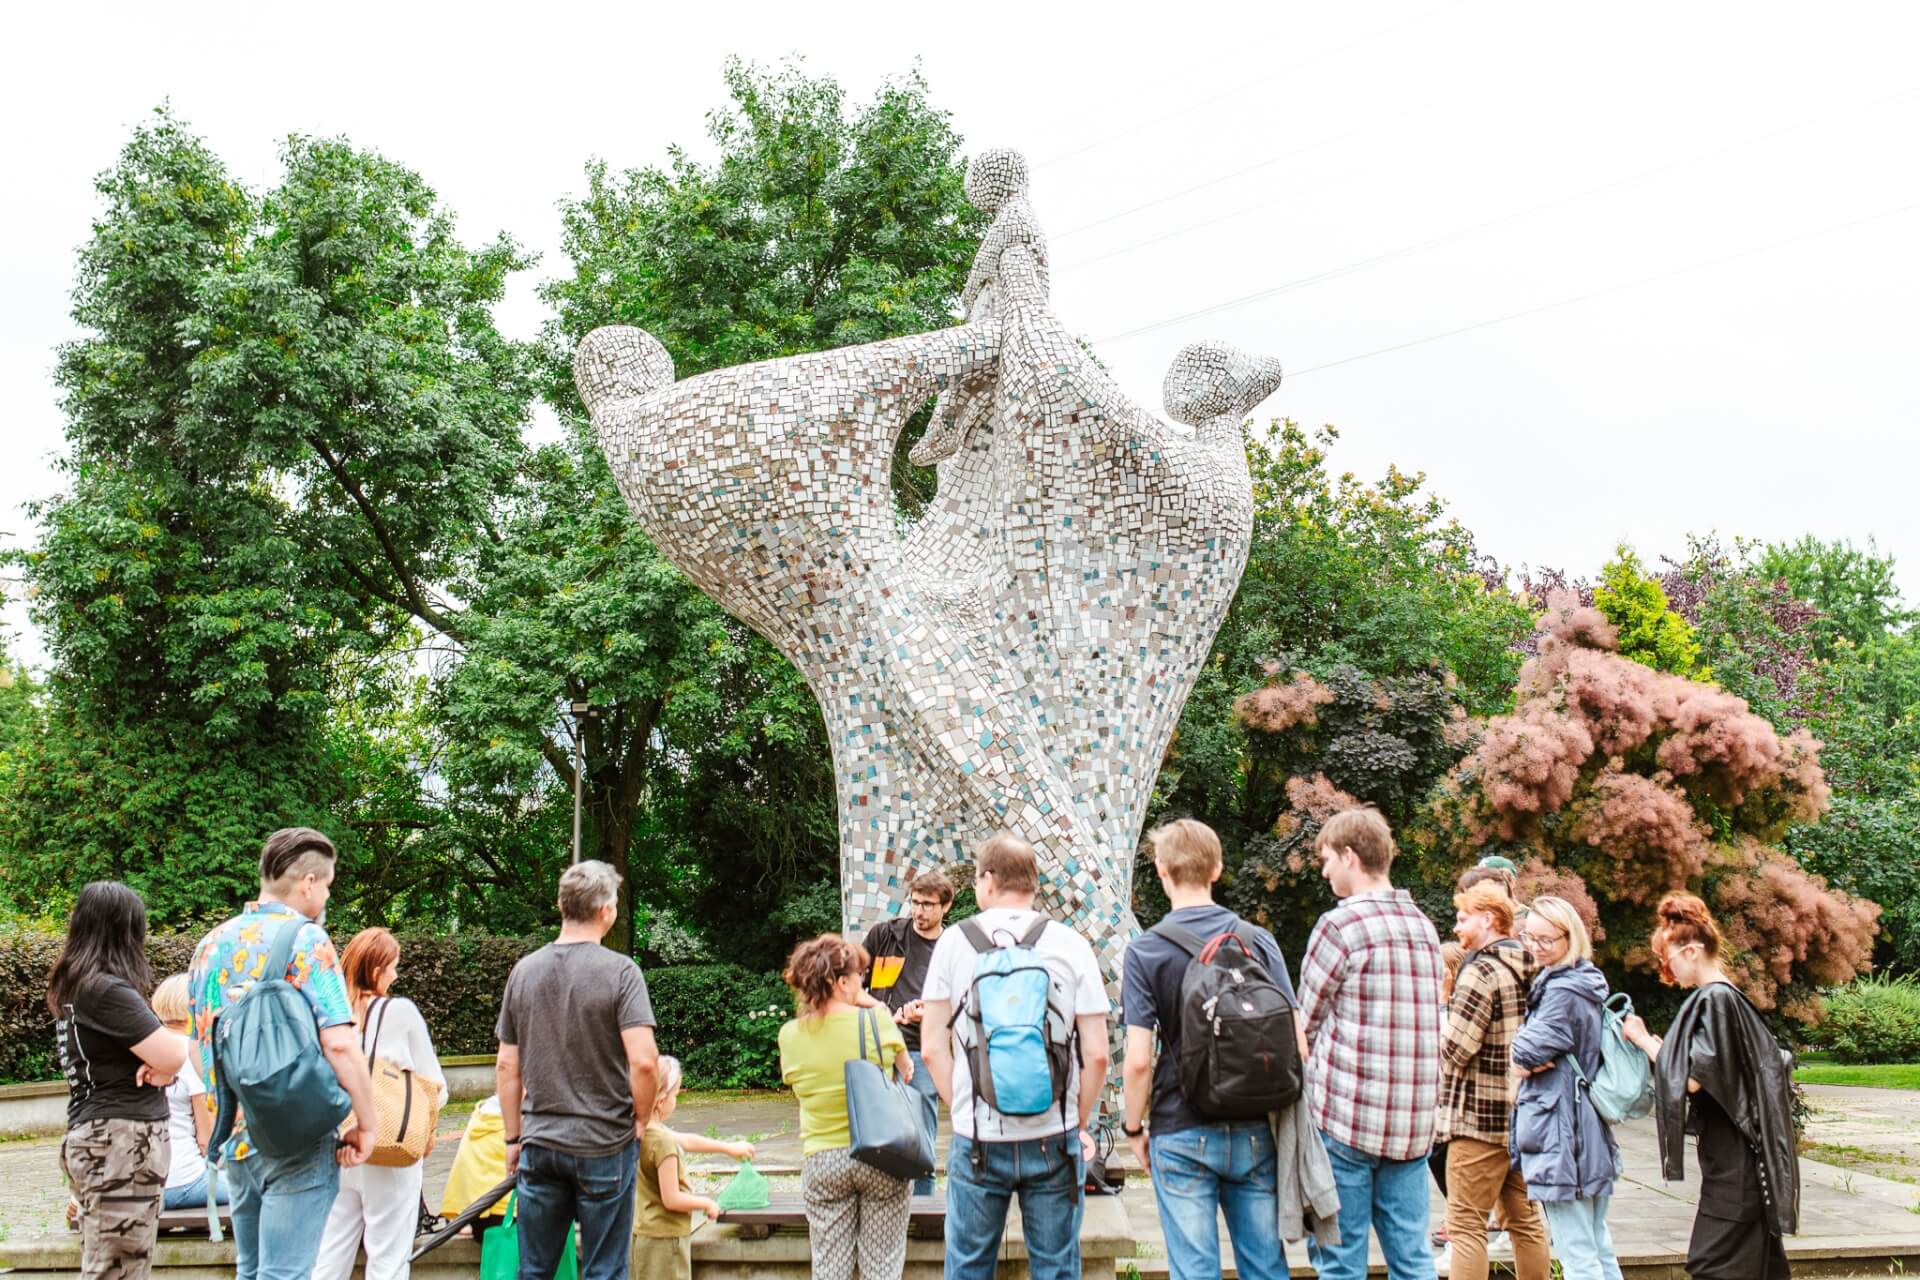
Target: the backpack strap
pixel 1031 938
pixel 1180 936
pixel 970 930
pixel 282 954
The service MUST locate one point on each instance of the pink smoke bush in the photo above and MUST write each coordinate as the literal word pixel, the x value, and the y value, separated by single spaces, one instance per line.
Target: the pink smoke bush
pixel 1276 707
pixel 1624 782
pixel 1538 879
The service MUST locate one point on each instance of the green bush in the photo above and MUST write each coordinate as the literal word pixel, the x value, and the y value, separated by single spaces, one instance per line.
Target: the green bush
pixel 723 1022
pixel 1874 1019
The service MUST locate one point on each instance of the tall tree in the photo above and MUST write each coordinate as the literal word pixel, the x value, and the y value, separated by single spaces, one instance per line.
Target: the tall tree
pixel 289 420
pixel 1854 589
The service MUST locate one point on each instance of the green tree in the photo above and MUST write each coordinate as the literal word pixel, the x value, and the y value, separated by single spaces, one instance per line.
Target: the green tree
pixel 707 775
pixel 1651 632
pixel 288 419
pixel 1855 590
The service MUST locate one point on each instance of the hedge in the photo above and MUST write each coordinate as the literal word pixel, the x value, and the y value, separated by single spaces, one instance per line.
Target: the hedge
pixel 711 1016
pixel 1872 1020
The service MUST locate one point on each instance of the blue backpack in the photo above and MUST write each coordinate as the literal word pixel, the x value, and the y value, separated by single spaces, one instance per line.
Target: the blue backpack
pixel 268 1063
pixel 1019 1041
pixel 1623 1087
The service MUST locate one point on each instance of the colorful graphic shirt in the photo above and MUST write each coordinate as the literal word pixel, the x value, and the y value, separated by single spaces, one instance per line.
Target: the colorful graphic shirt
pixel 233 957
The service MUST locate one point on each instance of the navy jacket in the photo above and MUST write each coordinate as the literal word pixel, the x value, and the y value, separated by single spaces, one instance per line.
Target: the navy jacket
pixel 1559 1143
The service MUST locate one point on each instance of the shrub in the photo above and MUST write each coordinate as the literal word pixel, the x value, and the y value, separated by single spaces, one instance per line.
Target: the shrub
pixel 1874 1019
pixel 723 1022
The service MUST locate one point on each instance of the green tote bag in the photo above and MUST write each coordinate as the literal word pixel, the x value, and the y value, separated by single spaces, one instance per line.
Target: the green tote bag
pixel 500 1251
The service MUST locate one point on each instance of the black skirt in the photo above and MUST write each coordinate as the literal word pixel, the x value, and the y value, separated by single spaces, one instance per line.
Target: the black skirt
pixel 1725 1250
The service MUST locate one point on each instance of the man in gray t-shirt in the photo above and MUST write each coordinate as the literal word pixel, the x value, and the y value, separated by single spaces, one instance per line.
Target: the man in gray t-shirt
pixel 576 1076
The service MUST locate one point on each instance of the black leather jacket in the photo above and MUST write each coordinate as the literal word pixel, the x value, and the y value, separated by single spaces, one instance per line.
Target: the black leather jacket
pixel 1719 1040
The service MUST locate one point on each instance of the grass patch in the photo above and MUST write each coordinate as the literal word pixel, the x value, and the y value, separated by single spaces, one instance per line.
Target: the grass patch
pixel 1894 1075
pixel 1894 1165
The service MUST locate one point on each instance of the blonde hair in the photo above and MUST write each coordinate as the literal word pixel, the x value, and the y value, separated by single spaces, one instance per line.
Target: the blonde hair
pixel 667 1083
pixel 1560 914
pixel 1365 832
pixel 1187 850
pixel 170 999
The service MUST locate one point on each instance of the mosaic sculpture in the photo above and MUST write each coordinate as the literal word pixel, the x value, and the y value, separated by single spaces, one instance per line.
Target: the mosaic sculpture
pixel 1018 657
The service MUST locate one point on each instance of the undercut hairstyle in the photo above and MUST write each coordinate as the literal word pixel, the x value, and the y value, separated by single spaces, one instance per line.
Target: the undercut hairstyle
pixel 1187 850
pixel 585 890
pixel 370 951
pixel 170 999
pixel 1559 913
pixel 293 853
pixel 106 937
pixel 1011 862
pixel 1365 832
pixel 1490 897
pixel 1473 877
pixel 934 884
pixel 816 965
pixel 1684 920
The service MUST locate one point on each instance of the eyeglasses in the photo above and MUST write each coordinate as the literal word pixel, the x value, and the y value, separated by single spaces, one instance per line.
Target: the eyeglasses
pixel 927 904
pixel 1528 938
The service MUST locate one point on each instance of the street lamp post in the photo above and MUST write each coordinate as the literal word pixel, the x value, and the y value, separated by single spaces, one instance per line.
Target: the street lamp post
pixel 581 710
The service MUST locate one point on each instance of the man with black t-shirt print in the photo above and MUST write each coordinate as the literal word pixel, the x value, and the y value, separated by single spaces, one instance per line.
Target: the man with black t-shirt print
pixel 900 949
pixel 1199 1166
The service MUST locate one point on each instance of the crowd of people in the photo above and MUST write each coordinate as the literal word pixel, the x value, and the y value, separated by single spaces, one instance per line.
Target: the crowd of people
pixel 1298 1110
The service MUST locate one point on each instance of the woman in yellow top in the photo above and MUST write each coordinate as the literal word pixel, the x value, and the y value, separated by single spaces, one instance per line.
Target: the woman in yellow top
pixel 856 1215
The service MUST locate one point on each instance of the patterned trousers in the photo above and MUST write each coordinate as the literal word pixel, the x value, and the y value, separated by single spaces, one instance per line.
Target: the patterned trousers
pixel 118 1169
pixel 856 1217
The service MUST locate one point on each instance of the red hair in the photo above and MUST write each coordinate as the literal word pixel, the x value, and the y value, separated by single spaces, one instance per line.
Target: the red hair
pixel 817 964
pixel 360 964
pixel 1684 920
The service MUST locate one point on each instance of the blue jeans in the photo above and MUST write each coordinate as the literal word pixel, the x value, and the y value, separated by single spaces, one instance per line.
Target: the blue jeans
pixel 193 1195
pixel 280 1211
pixel 923 1083
pixel 556 1190
pixel 1199 1172
pixel 1390 1196
pixel 1580 1238
pixel 1046 1173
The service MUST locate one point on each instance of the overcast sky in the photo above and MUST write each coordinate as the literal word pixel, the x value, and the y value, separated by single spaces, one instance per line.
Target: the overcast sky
pixel 1679 238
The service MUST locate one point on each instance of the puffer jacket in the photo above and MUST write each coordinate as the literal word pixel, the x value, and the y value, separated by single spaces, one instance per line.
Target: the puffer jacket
pixel 1559 1143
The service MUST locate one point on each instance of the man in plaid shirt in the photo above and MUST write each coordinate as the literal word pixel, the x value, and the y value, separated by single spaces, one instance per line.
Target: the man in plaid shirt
pixel 1370 1002
pixel 1476 1087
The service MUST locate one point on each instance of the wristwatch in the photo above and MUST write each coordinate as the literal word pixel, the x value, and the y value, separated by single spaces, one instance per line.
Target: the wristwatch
pixel 1133 1130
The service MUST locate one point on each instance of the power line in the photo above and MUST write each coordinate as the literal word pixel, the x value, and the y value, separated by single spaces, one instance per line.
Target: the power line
pixel 1617 288
pixel 1461 232
pixel 1196 103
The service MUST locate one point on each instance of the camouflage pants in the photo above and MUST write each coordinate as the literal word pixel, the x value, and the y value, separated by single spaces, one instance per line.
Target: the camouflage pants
pixel 118 1169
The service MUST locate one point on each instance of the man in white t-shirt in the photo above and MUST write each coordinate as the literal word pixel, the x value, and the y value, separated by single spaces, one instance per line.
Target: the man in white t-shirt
pixel 1040 1158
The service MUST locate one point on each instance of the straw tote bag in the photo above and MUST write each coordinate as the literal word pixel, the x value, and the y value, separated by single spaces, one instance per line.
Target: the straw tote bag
pixel 408 1106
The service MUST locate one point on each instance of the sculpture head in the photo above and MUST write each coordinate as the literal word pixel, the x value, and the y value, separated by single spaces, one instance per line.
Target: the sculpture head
pixel 619 362
pixel 994 177
pixel 1210 379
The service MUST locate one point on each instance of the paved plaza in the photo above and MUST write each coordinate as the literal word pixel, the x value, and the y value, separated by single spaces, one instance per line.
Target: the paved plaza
pixel 1861 1197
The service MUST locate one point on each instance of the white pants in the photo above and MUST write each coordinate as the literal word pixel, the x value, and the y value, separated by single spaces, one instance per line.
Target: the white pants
pixel 381 1205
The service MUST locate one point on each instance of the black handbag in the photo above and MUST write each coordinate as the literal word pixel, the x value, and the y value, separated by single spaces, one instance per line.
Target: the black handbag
pixel 890 1125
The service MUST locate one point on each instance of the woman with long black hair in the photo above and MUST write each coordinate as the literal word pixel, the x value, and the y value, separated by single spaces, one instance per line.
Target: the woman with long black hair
pixel 1720 1075
pixel 118 1060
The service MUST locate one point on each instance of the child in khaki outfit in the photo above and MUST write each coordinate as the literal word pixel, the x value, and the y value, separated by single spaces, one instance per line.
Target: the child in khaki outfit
pixel 663 1202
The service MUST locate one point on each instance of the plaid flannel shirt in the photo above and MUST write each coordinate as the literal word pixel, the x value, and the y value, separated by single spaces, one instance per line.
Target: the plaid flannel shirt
pixel 1370 1000
pixel 1476 1082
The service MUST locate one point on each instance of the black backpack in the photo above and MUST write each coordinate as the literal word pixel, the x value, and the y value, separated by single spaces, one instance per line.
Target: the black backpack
pixel 1239 1058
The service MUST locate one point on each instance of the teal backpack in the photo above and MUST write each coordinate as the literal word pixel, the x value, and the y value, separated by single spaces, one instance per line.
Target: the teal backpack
pixel 1623 1087
pixel 267 1062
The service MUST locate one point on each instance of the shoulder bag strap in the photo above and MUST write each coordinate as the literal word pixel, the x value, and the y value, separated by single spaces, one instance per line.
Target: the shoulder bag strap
pixel 379 1022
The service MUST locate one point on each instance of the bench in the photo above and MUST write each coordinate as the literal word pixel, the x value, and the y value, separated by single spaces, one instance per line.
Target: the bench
pixel 926 1217
pixel 192 1222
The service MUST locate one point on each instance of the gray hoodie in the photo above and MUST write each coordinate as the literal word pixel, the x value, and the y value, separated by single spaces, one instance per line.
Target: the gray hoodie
pixel 1559 1143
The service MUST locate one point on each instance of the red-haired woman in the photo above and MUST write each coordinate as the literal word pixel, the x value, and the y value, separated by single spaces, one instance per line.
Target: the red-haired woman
pixel 379 1204
pixel 856 1215
pixel 1720 1075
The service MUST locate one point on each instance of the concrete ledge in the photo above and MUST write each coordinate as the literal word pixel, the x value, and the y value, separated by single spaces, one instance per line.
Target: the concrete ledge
pixel 720 1252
